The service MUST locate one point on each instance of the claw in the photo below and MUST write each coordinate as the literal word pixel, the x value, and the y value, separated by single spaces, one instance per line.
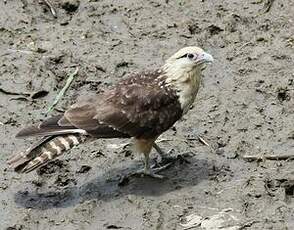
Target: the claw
pixel 162 162
pixel 152 172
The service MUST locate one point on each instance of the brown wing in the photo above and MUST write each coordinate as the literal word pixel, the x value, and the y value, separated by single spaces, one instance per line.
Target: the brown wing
pixel 48 127
pixel 141 106
pixel 82 115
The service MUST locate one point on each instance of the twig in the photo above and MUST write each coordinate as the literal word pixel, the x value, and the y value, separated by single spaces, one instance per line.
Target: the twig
pixel 269 157
pixel 51 7
pixel 163 140
pixel 25 95
pixel 203 141
pixel 129 27
pixel 63 90
pixel 12 93
pixel 118 146
pixel 248 224
pixel 267 6
pixel 199 138
pixel 21 51
pixel 243 45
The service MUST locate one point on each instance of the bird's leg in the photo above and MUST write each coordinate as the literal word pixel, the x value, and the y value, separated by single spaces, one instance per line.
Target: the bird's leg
pixel 150 171
pixel 161 154
pixel 164 159
pixel 144 146
pixel 146 163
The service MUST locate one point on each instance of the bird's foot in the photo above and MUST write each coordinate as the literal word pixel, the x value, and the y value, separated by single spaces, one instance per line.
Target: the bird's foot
pixel 149 173
pixel 163 160
pixel 152 171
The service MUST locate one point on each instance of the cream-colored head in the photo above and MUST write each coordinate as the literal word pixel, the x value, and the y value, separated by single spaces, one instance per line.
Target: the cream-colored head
pixel 187 60
pixel 183 73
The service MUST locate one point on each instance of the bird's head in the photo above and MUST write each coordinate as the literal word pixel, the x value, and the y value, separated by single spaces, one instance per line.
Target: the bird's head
pixel 188 60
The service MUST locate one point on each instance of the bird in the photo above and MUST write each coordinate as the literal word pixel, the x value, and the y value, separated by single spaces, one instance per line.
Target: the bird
pixel 141 106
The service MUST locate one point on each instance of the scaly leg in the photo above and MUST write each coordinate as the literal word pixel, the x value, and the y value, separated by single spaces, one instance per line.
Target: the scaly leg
pixel 161 154
pixel 148 171
pixel 162 158
pixel 144 146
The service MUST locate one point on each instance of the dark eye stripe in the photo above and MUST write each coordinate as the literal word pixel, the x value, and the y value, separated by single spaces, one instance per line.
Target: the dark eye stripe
pixel 189 55
pixel 185 55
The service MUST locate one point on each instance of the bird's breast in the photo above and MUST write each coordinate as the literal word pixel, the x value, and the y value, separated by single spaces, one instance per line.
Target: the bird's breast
pixel 187 92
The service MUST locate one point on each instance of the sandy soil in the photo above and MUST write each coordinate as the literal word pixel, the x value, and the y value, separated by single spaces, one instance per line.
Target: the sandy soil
pixel 245 107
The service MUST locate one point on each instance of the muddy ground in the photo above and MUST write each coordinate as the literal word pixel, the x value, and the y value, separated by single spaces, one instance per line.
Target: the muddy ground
pixel 245 107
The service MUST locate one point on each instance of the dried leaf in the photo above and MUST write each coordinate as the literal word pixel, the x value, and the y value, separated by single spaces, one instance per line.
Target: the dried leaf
pixel 219 221
pixel 117 146
pixel 192 220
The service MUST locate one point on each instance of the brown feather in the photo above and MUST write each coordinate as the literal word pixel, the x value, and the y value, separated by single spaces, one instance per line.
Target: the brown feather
pixel 141 106
pixel 42 152
pixel 53 122
pixel 23 157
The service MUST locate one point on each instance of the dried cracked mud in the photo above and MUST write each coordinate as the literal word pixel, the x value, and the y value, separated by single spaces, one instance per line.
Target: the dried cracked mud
pixel 244 108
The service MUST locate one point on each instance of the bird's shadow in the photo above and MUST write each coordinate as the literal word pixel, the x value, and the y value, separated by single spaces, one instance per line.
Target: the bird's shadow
pixel 179 175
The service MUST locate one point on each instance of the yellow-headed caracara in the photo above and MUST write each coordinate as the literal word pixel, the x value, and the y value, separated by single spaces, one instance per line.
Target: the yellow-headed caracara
pixel 141 106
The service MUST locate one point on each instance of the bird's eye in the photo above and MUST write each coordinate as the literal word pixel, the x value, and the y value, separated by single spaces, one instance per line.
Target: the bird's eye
pixel 190 56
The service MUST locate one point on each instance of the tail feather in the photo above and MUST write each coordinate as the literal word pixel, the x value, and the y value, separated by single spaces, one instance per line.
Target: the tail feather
pixel 43 151
pixel 36 131
pixel 22 157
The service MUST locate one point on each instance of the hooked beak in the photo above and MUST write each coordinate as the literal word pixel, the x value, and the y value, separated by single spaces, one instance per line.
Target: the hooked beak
pixel 204 58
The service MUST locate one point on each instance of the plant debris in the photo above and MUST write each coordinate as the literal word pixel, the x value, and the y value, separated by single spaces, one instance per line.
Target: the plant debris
pixel 268 157
pixel 26 95
pixel 51 7
pixel 84 169
pixel 267 6
pixel 63 90
pixel 192 221
pixel 39 94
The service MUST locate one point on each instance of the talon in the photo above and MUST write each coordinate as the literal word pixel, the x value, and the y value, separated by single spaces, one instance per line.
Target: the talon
pixel 151 173
pixel 154 175
pixel 171 160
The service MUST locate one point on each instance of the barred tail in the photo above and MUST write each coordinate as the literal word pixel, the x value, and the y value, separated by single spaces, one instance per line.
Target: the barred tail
pixel 43 151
